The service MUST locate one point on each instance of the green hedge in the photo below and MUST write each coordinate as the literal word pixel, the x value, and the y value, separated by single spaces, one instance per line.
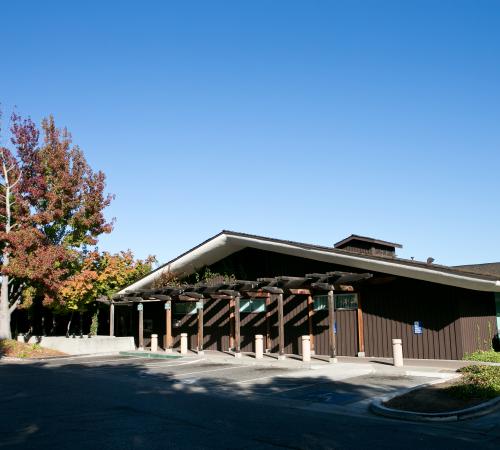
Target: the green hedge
pixel 481 355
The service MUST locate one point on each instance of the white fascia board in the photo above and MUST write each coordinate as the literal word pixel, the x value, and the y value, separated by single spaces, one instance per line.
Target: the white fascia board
pixel 210 252
pixel 389 267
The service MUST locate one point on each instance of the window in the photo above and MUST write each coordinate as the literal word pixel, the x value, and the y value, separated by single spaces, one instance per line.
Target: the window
pixel 252 306
pixel 320 302
pixel 183 308
pixel 342 301
pixel 346 301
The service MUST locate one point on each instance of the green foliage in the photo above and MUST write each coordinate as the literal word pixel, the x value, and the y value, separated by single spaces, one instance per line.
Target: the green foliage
pixel 209 277
pixel 483 355
pixel 477 382
pixel 101 275
pixel 205 276
pixel 94 324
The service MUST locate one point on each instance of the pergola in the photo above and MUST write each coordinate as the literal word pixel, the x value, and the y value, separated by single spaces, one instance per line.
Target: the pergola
pixel 271 289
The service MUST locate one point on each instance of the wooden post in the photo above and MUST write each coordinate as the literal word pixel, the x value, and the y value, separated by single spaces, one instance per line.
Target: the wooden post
pixel 281 328
pixel 200 327
pixel 168 326
pixel 310 313
pixel 361 332
pixel 332 346
pixel 237 338
pixel 112 319
pixel 268 323
pixel 140 308
pixel 231 324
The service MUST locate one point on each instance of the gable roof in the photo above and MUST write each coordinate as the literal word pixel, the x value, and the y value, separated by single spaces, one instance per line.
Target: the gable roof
pixel 228 242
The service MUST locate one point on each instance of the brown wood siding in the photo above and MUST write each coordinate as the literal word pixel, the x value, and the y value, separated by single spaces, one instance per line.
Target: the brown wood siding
pixel 390 306
pixel 215 330
pixel 347 332
pixel 478 321
pixel 295 320
pixel 390 310
pixel 251 324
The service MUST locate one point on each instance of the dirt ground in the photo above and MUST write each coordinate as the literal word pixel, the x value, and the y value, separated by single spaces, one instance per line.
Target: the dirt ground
pixel 432 399
pixel 14 349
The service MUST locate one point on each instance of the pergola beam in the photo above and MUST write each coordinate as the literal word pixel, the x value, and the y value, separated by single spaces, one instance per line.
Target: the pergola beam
pixel 271 289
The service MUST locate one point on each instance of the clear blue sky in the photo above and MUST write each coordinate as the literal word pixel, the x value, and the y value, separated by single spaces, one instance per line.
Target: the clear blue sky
pixel 300 120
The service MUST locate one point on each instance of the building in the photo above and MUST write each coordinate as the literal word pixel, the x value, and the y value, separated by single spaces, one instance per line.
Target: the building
pixel 352 299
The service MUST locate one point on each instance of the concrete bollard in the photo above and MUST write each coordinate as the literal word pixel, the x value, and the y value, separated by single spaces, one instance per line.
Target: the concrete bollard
pixel 306 348
pixel 154 342
pixel 20 337
pixel 184 343
pixel 259 346
pixel 397 352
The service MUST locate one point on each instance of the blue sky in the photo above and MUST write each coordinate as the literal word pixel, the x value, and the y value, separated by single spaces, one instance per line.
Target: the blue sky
pixel 302 120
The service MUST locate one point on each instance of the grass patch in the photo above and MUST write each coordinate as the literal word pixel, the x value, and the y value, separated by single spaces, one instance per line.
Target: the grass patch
pixel 483 355
pixel 477 382
pixel 14 349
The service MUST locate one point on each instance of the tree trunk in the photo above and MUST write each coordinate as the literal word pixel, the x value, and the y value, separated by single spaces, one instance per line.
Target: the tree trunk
pixel 5 332
pixel 5 307
pixel 69 324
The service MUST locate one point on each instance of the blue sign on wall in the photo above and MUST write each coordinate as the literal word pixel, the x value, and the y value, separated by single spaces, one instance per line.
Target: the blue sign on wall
pixel 335 327
pixel 417 327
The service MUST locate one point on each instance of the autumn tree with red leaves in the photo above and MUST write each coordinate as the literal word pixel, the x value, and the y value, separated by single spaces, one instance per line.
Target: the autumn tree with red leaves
pixel 51 208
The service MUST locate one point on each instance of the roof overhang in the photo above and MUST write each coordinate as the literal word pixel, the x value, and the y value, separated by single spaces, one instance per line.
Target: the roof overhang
pixel 227 243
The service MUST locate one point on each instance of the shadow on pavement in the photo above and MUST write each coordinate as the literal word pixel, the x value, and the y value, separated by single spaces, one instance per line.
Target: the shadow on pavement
pixel 80 407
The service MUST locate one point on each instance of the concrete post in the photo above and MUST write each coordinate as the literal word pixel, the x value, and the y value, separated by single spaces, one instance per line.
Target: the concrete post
pixel 112 319
pixel 154 342
pixel 259 346
pixel 397 352
pixel 20 337
pixel 306 348
pixel 184 343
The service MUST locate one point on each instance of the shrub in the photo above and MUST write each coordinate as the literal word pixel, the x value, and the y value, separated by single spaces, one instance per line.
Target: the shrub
pixel 483 355
pixel 95 324
pixel 477 382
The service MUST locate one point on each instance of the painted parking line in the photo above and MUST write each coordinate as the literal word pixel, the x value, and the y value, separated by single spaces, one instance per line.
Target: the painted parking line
pixel 210 370
pixel 183 363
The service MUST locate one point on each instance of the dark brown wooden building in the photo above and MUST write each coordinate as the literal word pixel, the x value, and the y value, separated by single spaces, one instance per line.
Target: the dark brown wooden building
pixel 439 312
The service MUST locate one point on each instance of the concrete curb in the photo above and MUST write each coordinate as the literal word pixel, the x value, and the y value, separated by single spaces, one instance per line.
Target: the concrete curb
pixel 377 407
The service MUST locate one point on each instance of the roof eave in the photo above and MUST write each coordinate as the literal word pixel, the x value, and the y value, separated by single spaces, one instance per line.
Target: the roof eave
pixel 227 242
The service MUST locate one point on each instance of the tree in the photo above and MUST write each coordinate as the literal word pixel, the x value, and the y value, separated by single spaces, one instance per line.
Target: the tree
pixel 101 275
pixel 51 207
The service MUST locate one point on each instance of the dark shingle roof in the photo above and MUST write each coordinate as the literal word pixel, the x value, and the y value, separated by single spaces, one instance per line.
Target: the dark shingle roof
pixel 492 269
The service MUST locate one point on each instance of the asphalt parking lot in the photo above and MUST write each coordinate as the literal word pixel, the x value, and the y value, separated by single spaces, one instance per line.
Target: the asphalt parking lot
pixel 343 384
pixel 211 402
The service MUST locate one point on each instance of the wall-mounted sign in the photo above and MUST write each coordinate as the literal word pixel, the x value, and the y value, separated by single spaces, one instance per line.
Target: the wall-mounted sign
pixel 417 327
pixel 335 327
pixel 168 306
pixel 140 307
pixel 199 305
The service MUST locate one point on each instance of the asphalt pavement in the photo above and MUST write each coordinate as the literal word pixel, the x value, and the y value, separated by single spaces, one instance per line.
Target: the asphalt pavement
pixel 113 402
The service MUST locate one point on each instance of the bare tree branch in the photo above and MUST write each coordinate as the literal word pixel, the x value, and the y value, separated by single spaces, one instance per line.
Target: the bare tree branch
pixel 14 306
